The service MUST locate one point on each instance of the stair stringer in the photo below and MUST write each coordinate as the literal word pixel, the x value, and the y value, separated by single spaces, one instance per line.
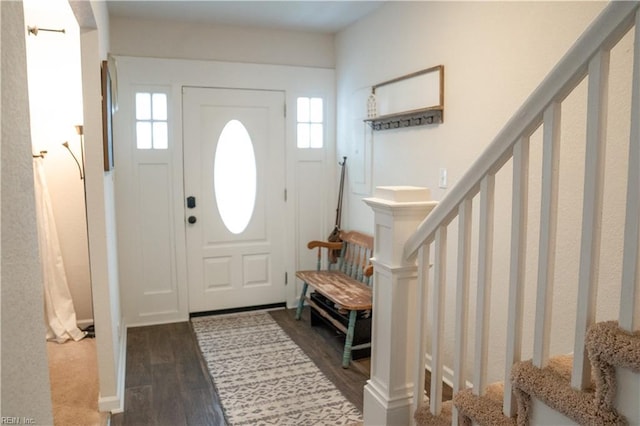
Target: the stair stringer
pixel 610 349
pixel 614 352
pixel 552 386
pixel 542 415
pixel 628 395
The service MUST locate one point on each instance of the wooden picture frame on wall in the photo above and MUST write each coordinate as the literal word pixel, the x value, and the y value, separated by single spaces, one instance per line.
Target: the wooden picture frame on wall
pixel 107 115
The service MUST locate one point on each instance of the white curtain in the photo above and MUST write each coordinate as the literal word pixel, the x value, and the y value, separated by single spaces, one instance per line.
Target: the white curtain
pixel 60 315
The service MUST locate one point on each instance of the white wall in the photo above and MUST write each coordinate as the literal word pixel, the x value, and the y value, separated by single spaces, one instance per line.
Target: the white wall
pixel 110 339
pixel 25 376
pixel 495 54
pixel 55 101
pixel 133 37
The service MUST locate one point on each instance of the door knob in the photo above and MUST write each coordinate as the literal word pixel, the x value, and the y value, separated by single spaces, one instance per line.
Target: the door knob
pixel 192 219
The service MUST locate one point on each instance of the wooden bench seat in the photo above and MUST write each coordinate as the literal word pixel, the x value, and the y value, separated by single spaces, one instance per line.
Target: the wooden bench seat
pixel 345 282
pixel 340 288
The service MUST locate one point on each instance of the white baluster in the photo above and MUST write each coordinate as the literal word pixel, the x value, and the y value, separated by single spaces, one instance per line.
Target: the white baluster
pixel 548 225
pixel 630 293
pixel 519 209
pixel 462 299
pixel 421 328
pixel 485 261
pixel 591 215
pixel 437 319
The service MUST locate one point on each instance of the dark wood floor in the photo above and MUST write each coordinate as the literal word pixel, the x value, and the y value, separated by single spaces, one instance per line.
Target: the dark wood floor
pixel 324 347
pixel 167 382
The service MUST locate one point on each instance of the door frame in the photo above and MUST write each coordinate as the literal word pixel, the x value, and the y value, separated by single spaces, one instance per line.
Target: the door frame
pixel 172 75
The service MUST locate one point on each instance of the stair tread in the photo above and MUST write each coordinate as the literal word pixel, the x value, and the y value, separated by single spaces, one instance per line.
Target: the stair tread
pixel 485 409
pixel 614 345
pixel 423 416
pixel 552 386
pixel 562 365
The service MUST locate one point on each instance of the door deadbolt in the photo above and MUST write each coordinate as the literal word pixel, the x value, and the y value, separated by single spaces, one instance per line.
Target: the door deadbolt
pixel 191 202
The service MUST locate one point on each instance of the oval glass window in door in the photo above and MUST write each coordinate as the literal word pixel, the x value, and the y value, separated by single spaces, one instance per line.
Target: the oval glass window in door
pixel 234 176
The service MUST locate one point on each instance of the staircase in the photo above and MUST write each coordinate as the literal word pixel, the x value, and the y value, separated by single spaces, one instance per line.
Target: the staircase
pixel 598 381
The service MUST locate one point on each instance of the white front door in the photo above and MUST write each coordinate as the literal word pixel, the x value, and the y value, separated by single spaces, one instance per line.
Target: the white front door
pixel 234 170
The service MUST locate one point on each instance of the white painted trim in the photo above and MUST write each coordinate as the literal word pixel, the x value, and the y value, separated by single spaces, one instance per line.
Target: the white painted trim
pixel 421 338
pixel 591 215
pixel 115 403
pixel 84 323
pixel 437 318
pixel 393 339
pixel 548 227
pixel 447 373
pixel 541 414
pixel 629 317
pixel 520 203
pixel 483 298
pixel 463 274
pixel 626 399
pixel 175 73
pixel 380 410
pixel 402 271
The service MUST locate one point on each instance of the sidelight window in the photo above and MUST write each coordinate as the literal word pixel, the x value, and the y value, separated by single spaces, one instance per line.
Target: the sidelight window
pixel 310 119
pixel 152 130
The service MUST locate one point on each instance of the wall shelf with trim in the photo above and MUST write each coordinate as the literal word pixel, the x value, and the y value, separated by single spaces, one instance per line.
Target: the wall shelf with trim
pixel 417 117
pixel 429 82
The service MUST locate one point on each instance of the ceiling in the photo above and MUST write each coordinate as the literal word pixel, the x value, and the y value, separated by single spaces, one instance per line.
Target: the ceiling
pixel 306 15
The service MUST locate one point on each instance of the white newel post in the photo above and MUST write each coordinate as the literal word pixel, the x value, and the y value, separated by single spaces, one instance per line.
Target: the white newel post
pixel 388 393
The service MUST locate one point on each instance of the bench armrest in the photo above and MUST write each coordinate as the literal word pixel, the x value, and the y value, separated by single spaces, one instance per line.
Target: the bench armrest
pixel 324 244
pixel 368 271
pixel 337 246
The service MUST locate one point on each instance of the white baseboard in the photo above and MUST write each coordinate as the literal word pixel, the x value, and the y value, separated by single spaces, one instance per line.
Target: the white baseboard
pixel 115 404
pixel 84 323
pixel 447 373
pixel 111 404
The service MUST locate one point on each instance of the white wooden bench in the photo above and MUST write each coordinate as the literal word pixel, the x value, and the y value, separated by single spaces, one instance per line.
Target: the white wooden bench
pixel 346 283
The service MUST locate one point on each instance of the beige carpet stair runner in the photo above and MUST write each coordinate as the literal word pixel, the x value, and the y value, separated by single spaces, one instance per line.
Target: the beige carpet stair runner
pixel 486 409
pixel 608 347
pixel 424 417
pixel 552 385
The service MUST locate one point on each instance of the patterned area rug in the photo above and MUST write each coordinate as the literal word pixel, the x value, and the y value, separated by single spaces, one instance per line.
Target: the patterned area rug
pixel 264 378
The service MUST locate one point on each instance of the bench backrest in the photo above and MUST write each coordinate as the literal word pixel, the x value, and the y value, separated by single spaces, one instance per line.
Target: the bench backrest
pixel 357 250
